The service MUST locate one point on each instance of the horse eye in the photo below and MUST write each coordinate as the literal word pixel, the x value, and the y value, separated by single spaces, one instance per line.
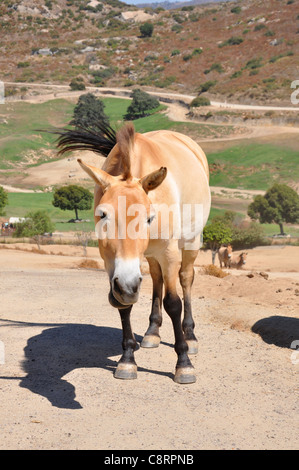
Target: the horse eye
pixel 102 215
pixel 150 219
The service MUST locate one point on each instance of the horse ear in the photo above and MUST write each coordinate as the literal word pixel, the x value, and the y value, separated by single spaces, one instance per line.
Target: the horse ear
pixel 99 176
pixel 154 179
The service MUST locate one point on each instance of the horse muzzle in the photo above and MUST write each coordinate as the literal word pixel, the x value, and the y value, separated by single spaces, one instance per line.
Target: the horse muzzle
pixel 124 294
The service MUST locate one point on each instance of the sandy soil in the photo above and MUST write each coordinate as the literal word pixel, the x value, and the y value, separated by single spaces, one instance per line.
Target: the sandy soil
pixel 62 341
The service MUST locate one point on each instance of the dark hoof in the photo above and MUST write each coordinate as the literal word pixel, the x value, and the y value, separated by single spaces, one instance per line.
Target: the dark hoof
pixel 150 341
pixel 192 346
pixel 185 375
pixel 126 371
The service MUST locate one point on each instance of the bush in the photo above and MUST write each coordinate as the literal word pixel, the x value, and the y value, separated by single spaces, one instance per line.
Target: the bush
pixel 77 84
pixel 248 237
pixel 200 101
pixel 254 63
pixel 35 224
pixel 3 200
pixel 206 86
pixel 233 41
pixel 236 10
pixel 146 30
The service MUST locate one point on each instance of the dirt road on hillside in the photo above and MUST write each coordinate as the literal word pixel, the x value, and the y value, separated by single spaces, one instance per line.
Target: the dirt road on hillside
pixel 61 341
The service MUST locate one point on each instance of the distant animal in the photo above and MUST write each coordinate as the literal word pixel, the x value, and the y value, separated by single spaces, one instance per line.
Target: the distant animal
pixel 224 255
pixel 143 171
pixel 237 261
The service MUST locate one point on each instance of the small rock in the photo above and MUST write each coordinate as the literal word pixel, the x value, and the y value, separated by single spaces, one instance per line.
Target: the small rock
pixel 264 275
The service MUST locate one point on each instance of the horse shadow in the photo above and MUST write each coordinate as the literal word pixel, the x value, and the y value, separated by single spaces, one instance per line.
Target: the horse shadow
pixel 55 352
pixel 278 330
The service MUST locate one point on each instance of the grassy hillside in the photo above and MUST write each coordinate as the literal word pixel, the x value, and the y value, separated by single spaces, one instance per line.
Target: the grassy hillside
pixel 21 145
pixel 248 49
pixel 253 166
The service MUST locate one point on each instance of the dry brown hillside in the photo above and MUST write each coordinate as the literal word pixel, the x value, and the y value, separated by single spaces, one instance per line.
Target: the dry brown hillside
pixel 247 49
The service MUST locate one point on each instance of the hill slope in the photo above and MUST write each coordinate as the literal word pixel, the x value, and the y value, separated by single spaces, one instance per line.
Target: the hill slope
pixel 247 49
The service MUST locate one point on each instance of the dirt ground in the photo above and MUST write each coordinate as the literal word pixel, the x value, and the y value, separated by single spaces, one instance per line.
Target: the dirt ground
pixel 60 341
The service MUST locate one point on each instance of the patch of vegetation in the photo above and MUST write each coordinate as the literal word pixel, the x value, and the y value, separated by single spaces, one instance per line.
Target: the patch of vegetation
pixel 200 101
pixel 232 41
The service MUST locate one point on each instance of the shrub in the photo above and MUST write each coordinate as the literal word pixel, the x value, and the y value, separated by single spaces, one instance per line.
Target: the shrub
pixel 248 237
pixel 177 28
pixel 206 86
pixel 258 27
pixel 3 200
pixel 236 10
pixel 77 84
pixel 35 224
pixel 236 74
pixel 197 51
pixel 233 41
pixel 200 101
pixel 146 30
pixel 254 63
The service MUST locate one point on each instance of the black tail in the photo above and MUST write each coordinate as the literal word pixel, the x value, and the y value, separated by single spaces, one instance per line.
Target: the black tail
pixel 101 138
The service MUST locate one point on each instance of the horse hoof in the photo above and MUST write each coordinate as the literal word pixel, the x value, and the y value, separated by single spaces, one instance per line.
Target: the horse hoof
pixel 192 346
pixel 150 341
pixel 184 375
pixel 126 371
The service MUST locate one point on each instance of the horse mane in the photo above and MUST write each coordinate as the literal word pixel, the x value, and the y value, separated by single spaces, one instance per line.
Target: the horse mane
pixel 101 139
pixel 125 138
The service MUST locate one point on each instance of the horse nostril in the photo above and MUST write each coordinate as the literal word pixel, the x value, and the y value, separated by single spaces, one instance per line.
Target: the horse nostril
pixel 116 286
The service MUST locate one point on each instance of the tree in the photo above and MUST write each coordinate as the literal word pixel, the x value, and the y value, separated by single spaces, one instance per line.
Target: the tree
pixel 72 197
pixel 280 205
pixel 3 200
pixel 88 111
pixel 35 224
pixel 146 30
pixel 215 234
pixel 141 105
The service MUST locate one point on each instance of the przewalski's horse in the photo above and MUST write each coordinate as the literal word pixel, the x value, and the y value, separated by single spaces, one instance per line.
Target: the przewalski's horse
pixel 237 261
pixel 145 171
pixel 224 255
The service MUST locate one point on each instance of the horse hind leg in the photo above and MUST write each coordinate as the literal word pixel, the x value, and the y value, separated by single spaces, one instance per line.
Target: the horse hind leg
pixel 184 373
pixel 186 276
pixel 152 338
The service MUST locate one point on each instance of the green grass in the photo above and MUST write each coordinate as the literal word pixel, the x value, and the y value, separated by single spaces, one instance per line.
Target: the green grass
pixel 19 204
pixel 18 133
pixel 253 166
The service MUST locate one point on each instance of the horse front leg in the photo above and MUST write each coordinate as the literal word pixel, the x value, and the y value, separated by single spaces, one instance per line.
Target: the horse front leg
pixel 152 338
pixel 127 368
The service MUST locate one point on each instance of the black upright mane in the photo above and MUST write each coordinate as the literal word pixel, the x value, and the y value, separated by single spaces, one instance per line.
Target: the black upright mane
pixel 101 138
